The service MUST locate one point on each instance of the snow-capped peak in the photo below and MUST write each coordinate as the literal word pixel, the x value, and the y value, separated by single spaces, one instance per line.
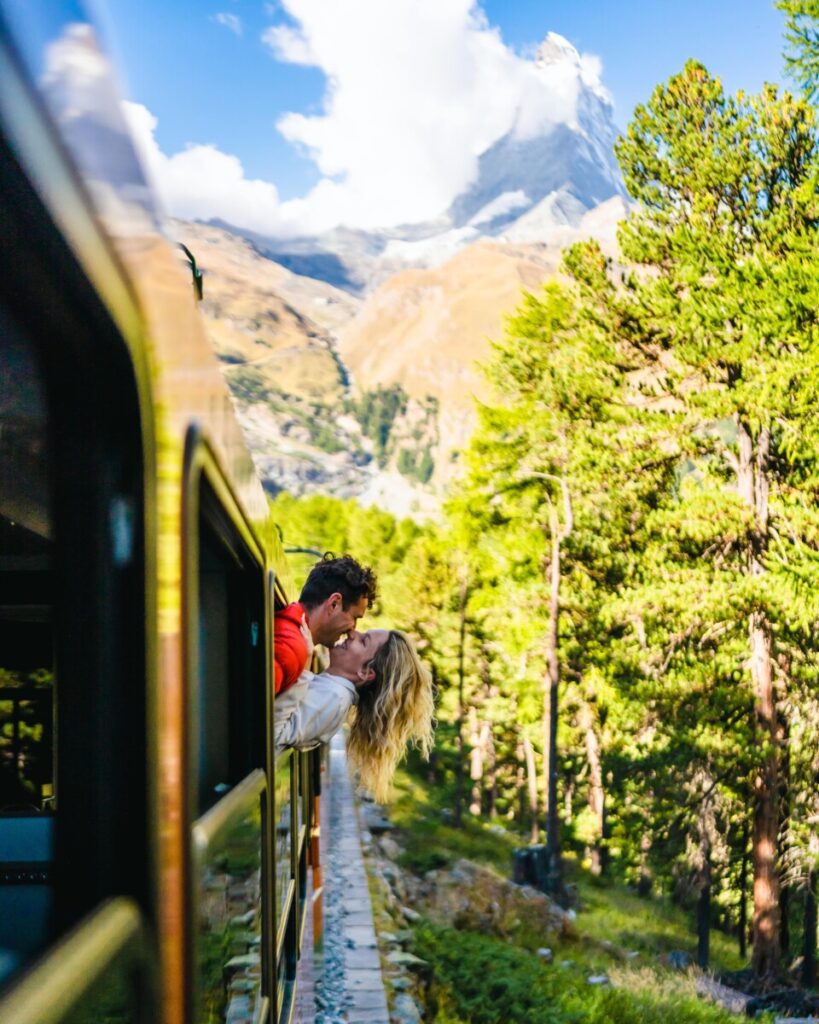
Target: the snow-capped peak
pixel 556 49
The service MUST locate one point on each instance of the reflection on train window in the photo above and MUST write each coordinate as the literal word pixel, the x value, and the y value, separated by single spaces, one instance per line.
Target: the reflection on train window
pixel 27 795
pixel 229 877
pixel 230 698
pixel 26 641
pixel 283 811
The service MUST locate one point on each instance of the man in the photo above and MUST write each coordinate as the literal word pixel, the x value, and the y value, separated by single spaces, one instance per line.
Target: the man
pixel 337 592
pixel 315 708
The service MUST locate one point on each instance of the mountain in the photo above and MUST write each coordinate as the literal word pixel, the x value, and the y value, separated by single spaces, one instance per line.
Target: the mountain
pixel 562 170
pixel 352 357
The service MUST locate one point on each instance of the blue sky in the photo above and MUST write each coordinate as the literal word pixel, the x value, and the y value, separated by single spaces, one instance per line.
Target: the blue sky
pixel 206 76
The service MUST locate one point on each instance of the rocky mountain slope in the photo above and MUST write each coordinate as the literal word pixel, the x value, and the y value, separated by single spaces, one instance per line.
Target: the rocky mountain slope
pixel 353 356
pixel 371 398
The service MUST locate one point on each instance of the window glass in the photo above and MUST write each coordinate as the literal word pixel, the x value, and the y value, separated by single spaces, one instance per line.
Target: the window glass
pixel 229 697
pixel 230 916
pixel 26 658
pixel 26 636
pixel 283 832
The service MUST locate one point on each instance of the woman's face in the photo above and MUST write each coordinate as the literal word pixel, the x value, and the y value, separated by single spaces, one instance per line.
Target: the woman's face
pixel 350 659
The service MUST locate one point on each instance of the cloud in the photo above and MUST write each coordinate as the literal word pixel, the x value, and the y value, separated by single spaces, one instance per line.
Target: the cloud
pixel 201 182
pixel 416 91
pixel 230 21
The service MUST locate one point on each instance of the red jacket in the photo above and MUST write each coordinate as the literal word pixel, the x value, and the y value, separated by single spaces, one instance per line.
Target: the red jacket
pixel 289 646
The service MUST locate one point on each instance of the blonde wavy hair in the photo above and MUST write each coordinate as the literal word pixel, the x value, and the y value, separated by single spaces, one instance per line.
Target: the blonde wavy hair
pixel 394 711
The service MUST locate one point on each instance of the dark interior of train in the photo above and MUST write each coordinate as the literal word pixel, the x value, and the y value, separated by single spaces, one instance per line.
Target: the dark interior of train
pixel 73 808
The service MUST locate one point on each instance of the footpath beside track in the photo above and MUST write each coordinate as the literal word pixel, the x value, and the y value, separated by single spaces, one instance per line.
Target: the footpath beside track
pixel 350 989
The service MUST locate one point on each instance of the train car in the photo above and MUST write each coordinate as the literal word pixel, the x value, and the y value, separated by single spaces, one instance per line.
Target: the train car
pixel 155 860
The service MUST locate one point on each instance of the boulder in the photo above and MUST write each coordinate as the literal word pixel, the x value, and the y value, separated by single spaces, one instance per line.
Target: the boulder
pixel 477 899
pixel 405 1010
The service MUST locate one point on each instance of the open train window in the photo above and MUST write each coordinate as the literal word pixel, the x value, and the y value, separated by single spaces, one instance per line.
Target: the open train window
pixel 227 662
pixel 228 680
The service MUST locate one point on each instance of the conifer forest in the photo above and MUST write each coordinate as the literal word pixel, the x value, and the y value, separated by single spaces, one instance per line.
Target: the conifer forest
pixel 620 603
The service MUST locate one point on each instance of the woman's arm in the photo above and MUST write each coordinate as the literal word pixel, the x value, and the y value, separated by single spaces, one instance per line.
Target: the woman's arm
pixel 312 710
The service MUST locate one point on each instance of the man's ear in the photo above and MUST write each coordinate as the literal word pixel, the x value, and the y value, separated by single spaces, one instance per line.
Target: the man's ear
pixel 334 602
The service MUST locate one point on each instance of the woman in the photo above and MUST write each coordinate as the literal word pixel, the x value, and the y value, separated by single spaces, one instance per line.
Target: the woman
pixel 378 681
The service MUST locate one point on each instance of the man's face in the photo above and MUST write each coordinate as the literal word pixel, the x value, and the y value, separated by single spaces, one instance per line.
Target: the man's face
pixel 331 620
pixel 350 659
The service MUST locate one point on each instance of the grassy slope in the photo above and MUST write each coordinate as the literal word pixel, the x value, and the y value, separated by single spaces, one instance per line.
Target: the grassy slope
pixel 483 979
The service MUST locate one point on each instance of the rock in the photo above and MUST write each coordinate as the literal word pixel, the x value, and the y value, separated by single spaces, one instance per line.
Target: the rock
pixel 597 979
pixel 389 938
pixel 678 960
pixel 243 963
pixel 545 954
pixel 399 958
pixel 375 820
pixel 401 984
pixel 405 1010
pixel 475 898
pixel 243 920
pixel 632 954
pixel 411 915
pixel 390 848
pixel 565 964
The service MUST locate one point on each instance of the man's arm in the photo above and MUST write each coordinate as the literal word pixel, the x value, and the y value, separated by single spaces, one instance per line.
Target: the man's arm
pixel 290 654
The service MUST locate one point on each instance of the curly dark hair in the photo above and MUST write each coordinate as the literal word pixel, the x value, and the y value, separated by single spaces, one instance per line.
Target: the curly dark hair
pixel 343 576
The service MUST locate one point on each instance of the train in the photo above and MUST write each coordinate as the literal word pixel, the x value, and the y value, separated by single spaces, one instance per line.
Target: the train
pixel 158 862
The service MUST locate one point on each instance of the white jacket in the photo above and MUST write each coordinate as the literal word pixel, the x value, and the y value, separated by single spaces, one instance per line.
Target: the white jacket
pixel 312 710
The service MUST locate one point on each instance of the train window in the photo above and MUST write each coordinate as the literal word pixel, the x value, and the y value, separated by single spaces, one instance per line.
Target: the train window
pixel 227 679
pixel 26 654
pixel 229 848
pixel 283 810
pixel 230 656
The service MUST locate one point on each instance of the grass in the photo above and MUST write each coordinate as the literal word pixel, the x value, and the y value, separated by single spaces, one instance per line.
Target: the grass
pixel 486 979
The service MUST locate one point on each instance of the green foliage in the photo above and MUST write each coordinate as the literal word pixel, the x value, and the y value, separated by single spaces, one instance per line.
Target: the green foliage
pixel 417 465
pixel 478 979
pixel 802 38
pixel 376 412
pixel 376 538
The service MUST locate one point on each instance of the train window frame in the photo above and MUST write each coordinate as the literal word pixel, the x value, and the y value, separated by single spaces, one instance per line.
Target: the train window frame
pixel 99 431
pixel 208 497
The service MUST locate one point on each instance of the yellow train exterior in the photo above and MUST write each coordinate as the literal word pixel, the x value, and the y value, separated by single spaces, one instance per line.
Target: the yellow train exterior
pixel 155 863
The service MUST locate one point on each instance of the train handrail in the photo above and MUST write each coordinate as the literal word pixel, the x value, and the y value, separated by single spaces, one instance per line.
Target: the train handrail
pixel 55 987
pixel 228 810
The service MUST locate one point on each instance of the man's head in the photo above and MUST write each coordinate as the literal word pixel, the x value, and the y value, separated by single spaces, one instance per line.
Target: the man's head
pixel 337 592
pixel 356 658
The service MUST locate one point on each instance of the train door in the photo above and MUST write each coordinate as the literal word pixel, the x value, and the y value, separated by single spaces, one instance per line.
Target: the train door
pixel 75 855
pixel 227 659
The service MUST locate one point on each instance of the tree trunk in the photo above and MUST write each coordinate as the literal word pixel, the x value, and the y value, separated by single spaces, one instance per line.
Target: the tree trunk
pixel 531 773
pixel 597 799
pixel 752 481
pixel 475 762
pixel 743 893
pixel 550 707
pixel 809 943
pixel 491 774
pixel 704 881
pixel 459 742
pixel 520 783
pixel 645 880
